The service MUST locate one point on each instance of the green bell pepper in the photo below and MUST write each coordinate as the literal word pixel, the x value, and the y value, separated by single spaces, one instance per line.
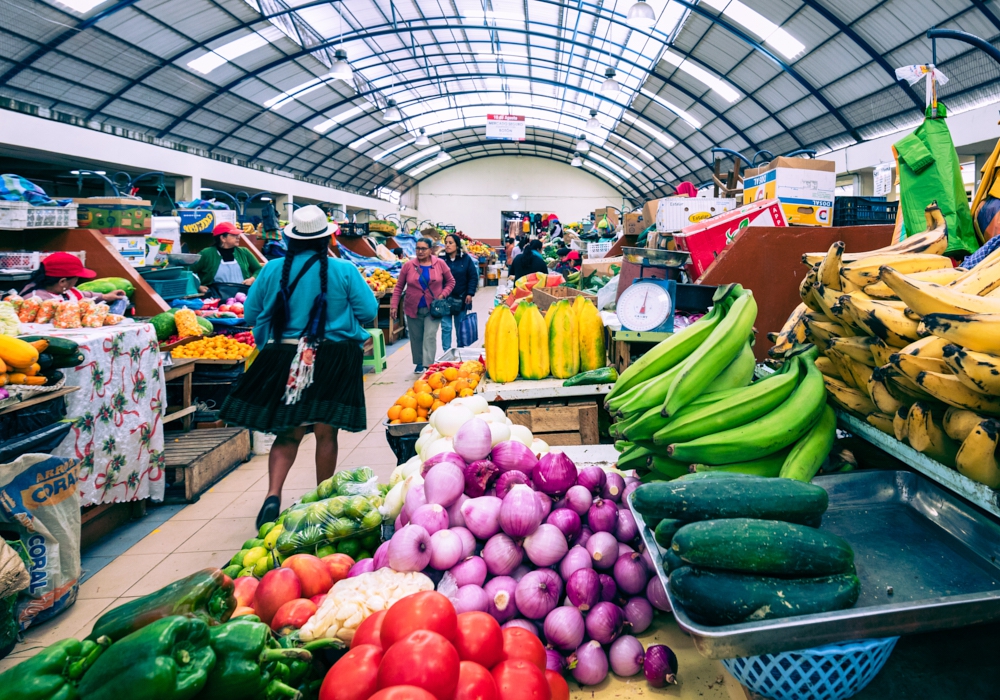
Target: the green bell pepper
pixel 207 594
pixel 53 673
pixel 249 663
pixel 169 659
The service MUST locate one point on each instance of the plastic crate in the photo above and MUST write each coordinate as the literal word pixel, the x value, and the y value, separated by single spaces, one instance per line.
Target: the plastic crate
pixel 403 446
pixel 22 215
pixel 831 672
pixel 864 211
pixel 30 260
pixel 599 249
pixel 172 282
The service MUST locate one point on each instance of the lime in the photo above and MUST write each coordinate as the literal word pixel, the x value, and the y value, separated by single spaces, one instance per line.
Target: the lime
pixel 253 555
pixel 256 542
pixel 349 546
pixel 293 521
pixel 373 519
pixel 315 515
pixel 363 555
pixel 286 543
pixel 357 507
pixel 248 544
pixel 262 566
pixel 238 558
pixel 362 474
pixel 310 497
pixel 246 571
pixel 326 550
pixel 272 536
pixel 264 529
pixel 325 488
pixel 337 507
pixel 232 571
pixel 310 536
pixel 371 540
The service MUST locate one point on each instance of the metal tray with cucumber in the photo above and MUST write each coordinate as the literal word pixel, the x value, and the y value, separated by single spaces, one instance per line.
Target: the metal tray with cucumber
pixel 926 561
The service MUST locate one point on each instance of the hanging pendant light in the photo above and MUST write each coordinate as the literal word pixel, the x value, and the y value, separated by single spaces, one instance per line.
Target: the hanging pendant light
pixel 422 139
pixel 341 69
pixel 391 113
pixel 582 145
pixel 610 87
pixel 641 16
pixel 592 123
pixel 577 160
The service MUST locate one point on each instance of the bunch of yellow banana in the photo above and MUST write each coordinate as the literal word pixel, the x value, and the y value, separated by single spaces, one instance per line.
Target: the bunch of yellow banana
pixel 909 343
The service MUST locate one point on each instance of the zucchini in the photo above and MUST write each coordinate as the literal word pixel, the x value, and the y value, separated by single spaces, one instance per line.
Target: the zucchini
pixel 671 562
pixel 57 346
pixel 767 547
pixel 665 531
pixel 723 598
pixel 65 361
pixel 732 496
pixel 602 375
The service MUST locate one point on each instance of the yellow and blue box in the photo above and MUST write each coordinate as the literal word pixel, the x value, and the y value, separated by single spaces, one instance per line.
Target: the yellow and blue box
pixel 204 220
pixel 115 216
pixel 805 188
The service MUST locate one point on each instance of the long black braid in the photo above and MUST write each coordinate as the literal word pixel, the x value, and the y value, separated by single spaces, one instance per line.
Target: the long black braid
pixel 279 315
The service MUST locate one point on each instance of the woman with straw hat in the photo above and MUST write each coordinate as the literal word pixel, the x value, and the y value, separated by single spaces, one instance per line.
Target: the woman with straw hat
pixel 307 314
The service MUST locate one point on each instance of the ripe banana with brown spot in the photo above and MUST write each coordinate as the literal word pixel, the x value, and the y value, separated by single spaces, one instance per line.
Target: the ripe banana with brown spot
pixel 912 365
pixel 949 389
pixel 899 423
pixel 928 298
pixel 881 421
pixel 829 269
pixel 858 348
pixel 979 332
pixel 849 398
pixel 926 435
pixel 933 241
pixel 944 276
pixel 884 399
pixel 929 346
pixel 977 370
pixel 866 271
pixel 826 366
pixel 976 457
pixel 860 372
pixel 881 352
pixel 882 320
pixel 983 279
pixel 806 289
pixel 959 422
pixel 840 365
pixel 792 333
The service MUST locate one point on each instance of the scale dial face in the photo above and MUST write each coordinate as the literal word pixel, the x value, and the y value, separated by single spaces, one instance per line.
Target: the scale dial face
pixel 644 306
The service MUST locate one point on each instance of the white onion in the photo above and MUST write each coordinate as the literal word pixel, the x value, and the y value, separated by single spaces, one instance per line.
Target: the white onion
pixel 449 418
pixel 412 466
pixel 426 429
pixel 397 476
pixel 427 435
pixel 539 447
pixel 498 414
pixel 473 440
pixel 444 444
pixel 521 434
pixel 477 404
pixel 499 432
pixel 411 481
pixel 393 503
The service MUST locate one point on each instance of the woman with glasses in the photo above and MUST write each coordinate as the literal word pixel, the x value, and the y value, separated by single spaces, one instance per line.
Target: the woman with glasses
pixel 466 273
pixel 423 280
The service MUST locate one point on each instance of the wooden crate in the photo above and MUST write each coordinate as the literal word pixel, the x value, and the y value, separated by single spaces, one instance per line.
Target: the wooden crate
pixel 559 422
pixel 194 461
pixel 547 296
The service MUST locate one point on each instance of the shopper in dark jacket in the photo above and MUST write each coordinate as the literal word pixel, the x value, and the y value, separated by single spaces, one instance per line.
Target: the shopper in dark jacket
pixel 529 261
pixel 465 269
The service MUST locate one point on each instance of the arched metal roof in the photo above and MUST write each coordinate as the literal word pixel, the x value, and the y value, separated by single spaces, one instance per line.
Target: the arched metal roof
pixel 253 80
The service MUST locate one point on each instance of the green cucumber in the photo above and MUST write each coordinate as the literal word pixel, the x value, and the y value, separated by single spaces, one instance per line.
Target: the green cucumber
pixel 57 346
pixel 671 562
pixel 742 497
pixel 665 531
pixel 602 375
pixel 766 547
pixel 723 598
pixel 67 361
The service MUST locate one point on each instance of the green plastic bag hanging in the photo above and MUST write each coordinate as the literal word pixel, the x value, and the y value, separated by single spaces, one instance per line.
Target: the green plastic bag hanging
pixel 929 172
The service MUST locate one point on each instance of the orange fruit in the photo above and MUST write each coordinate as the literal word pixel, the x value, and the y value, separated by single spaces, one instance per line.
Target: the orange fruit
pixel 401 401
pixel 408 415
pixel 463 373
pixel 436 405
pixel 436 380
pixel 421 419
pixel 395 422
pixel 465 392
pixel 461 385
pixel 422 413
pixel 421 387
pixel 424 400
pixel 394 412
pixel 451 374
pixel 473 382
pixel 447 394
pixel 409 402
pixel 410 392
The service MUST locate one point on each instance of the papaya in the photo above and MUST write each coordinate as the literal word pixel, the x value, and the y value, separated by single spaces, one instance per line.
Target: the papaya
pixel 532 340
pixel 593 354
pixel 502 345
pixel 564 341
pixel 519 312
pixel 101 286
pixel 122 284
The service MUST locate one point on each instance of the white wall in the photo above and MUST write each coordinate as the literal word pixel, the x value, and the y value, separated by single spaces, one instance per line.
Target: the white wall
pixel 472 195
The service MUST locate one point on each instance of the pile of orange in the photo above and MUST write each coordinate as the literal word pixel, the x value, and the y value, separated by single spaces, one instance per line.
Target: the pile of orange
pixel 430 393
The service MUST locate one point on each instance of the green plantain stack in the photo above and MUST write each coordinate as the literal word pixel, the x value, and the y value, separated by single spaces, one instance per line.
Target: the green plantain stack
pixel 689 405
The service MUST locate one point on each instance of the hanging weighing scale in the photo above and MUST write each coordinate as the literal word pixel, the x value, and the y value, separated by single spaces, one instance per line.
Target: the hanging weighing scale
pixel 648 304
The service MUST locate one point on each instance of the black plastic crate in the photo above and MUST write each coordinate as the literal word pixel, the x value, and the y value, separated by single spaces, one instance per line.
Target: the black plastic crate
pixel 403 446
pixel 864 211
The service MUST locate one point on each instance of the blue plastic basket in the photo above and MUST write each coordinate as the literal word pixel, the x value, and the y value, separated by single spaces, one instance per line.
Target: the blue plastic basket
pixel 831 672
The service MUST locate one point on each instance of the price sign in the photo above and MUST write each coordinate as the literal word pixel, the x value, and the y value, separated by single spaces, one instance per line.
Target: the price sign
pixel 883 179
pixel 504 127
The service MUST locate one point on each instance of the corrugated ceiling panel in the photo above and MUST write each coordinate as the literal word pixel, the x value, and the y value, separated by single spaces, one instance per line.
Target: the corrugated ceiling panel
pixel 783 90
pixel 753 72
pixel 836 58
pixel 864 81
pixel 41 22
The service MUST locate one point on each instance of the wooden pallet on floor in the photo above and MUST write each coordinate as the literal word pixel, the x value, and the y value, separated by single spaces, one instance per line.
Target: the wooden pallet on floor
pixel 194 461
pixel 559 421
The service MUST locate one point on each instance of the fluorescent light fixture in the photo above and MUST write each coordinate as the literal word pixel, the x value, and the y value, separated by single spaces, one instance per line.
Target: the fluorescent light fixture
pixel 429 164
pixel 234 49
pixel 703 76
pixel 654 132
pixel 325 126
pixel 610 86
pixel 95 172
pixel 611 176
pixel 608 163
pixel 768 31
pixel 81 6
pixel 592 124
pixel 577 160
pixel 514 196
pixel 341 69
pixel 686 116
pixel 641 16
pixel 391 113
pixel 582 145
pixel 415 157
pixel 279 101
pixel 422 139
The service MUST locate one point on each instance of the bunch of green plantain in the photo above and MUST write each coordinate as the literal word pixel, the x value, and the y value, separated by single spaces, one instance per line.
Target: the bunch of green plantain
pixel 688 404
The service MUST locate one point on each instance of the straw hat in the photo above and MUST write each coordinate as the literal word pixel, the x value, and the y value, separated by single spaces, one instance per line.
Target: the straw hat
pixel 309 222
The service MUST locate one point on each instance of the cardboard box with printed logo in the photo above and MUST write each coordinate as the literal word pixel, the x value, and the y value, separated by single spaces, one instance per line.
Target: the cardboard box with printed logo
pixel 804 186
pixel 707 239
pixel 674 213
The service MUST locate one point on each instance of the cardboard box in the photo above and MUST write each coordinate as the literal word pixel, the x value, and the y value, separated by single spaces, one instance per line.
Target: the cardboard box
pixel 132 248
pixel 204 220
pixel 705 240
pixel 674 213
pixel 115 216
pixel 634 224
pixel 649 210
pixel 612 215
pixel 804 186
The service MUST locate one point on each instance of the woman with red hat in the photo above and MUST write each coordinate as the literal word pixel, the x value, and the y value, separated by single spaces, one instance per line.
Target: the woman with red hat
pixel 226 262
pixel 57 278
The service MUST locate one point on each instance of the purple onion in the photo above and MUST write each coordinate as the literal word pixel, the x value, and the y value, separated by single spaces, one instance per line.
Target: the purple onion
pixel 439 458
pixel 431 517
pixel 657 596
pixel 410 548
pixel 478 476
pixel 554 661
pixel 631 574
pixel 638 614
pixel 591 664
pixel 500 595
pixel 604 622
pixel 613 486
pixel 629 489
pixel 626 656
pixel 518 573
pixel 632 481
pixel 468 541
pixel 576 558
pixel 471 598
pixel 513 456
pixel 472 441
pixel 444 484
pixel 538 593
pixel 362 566
pixel 482 516
pixel 602 516
pixel 583 589
pixel 544 504
pixel 522 623
pixel 545 546
pixel 624 549
pixel 455 517
pixel 400 522
pixel 660 666
pixel 585 533
pixel 626 528
pixel 564 628
pixel 568 523
pixel 647 559
pixel 415 498
pixel 508 480
pixel 519 512
pixel 446 550
pixel 609 589
pixel 380 559
pixel 554 474
pixel 502 555
pixel 469 572
pixel 603 548
pixel 578 499
pixel 593 479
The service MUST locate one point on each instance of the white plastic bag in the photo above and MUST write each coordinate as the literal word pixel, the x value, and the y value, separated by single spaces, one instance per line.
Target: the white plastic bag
pixel 606 294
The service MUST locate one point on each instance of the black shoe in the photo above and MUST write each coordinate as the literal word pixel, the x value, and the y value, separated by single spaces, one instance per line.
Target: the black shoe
pixel 269 511
pixel 419 369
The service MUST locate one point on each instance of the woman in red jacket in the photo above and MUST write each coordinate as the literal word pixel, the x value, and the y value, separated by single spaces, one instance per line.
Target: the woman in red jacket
pixel 423 280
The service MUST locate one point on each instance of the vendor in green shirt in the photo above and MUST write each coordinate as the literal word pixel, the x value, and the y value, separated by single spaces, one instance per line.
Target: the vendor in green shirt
pixel 226 262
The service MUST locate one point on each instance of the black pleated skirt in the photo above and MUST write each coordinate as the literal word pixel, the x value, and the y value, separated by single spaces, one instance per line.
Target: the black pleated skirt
pixel 336 397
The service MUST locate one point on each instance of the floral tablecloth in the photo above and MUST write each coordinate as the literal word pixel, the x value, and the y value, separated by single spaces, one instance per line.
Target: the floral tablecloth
pixel 117 430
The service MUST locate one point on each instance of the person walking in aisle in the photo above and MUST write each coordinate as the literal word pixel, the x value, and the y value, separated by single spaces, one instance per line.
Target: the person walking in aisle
pixel 465 270
pixel 424 279
pixel 529 261
pixel 307 312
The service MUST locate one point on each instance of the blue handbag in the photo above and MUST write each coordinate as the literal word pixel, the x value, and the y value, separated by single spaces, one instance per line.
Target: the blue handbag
pixel 468 328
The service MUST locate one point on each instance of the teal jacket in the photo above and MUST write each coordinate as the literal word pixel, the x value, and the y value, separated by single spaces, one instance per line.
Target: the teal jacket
pixel 208 264
pixel 349 300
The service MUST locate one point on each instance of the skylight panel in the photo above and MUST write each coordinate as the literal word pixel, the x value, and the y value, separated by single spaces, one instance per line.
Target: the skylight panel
pixel 598 169
pixel 392 150
pixel 81 6
pixel 601 159
pixel 430 164
pixel 325 126
pixel 686 116
pixel 413 158
pixel 640 152
pixel 769 32
pixel 279 101
pixel 654 132
pixel 234 49
pixel 710 80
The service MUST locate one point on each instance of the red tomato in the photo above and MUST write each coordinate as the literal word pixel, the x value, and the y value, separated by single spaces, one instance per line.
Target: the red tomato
pixel 519 643
pixel 369 631
pixel 479 639
pixel 354 676
pixel 518 679
pixel 422 658
pixel 475 683
pixel 557 685
pixel 402 692
pixel 427 610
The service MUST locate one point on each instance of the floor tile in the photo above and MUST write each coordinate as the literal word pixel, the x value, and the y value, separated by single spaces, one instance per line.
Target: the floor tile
pixel 239 481
pixel 78 617
pixel 118 576
pixel 222 534
pixel 290 496
pixel 126 536
pixel 90 565
pixel 208 506
pixel 176 566
pixel 301 478
pixel 167 537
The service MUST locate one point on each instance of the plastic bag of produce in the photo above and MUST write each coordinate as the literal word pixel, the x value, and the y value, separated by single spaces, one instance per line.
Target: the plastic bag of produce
pixel 349 523
pixel 67 314
pixel 9 322
pixel 39 498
